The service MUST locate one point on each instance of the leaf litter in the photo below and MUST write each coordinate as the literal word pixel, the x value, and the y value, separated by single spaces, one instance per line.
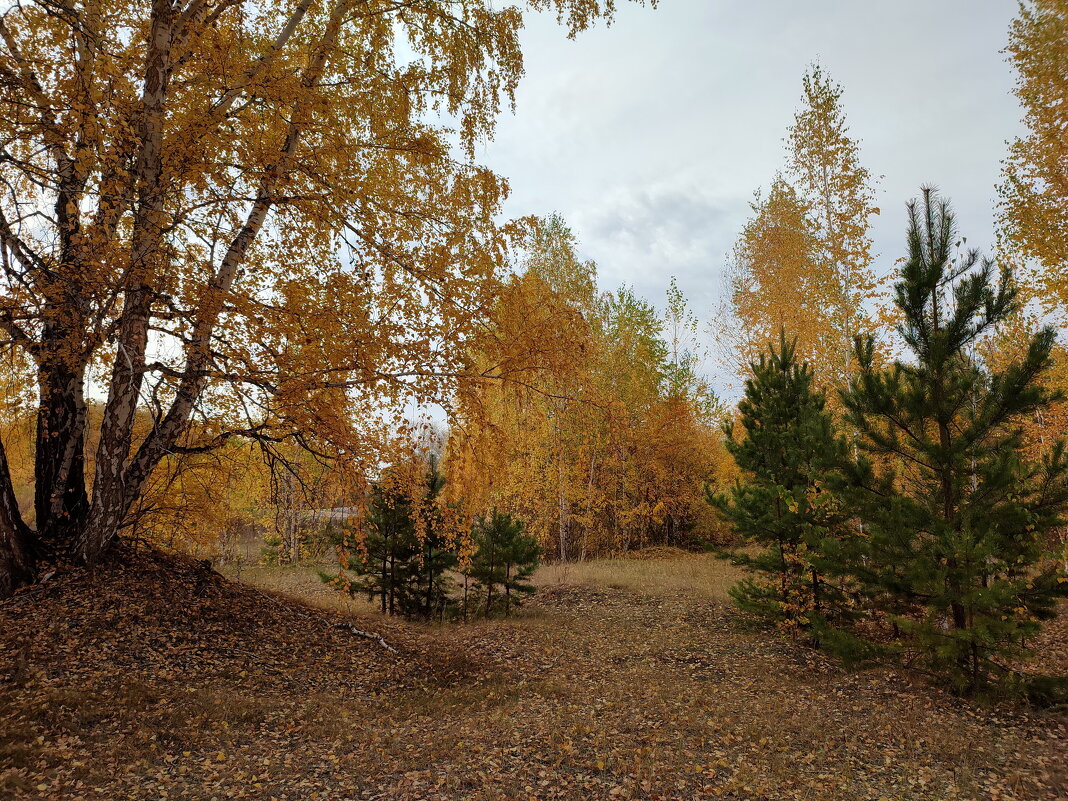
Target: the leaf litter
pixel 157 678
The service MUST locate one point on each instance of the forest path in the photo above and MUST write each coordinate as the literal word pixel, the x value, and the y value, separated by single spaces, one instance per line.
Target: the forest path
pixel 196 687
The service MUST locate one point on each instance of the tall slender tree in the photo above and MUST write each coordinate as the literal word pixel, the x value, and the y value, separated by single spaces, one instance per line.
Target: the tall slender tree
pixel 804 259
pixel 774 282
pixel 1034 189
pixel 824 160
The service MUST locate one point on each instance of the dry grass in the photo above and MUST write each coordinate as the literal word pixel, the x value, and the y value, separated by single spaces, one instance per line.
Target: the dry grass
pixel 655 572
pixel 701 575
pixel 303 582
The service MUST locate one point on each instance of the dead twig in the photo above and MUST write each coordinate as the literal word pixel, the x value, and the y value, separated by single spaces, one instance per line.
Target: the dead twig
pixel 346 626
pixel 367 636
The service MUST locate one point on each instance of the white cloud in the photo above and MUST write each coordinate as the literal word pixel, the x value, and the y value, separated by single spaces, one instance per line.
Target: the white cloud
pixel 651 135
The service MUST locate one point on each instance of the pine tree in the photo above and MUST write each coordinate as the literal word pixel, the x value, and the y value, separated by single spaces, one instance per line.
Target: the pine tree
pixel 426 590
pixel 389 549
pixel 955 517
pixel 406 557
pixel 505 560
pixel 787 447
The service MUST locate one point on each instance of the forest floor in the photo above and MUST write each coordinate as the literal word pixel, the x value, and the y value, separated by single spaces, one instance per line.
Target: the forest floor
pixel 159 679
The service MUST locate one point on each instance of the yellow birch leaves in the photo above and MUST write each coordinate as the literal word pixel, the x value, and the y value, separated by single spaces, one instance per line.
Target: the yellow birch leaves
pixel 1034 189
pixel 804 260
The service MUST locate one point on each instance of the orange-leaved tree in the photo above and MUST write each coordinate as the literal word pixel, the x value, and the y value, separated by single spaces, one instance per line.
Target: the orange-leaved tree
pixel 803 261
pixel 609 447
pixel 773 281
pixel 248 211
pixel 824 159
pixel 513 443
pixel 1033 212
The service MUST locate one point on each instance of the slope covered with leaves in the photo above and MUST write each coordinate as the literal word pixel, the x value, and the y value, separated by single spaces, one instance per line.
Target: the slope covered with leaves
pixel 192 686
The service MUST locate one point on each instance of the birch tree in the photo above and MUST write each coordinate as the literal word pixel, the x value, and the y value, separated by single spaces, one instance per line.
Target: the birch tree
pixel 824 161
pixel 1034 190
pixel 239 207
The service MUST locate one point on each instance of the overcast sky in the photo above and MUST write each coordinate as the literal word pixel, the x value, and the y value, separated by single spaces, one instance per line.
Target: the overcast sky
pixel 650 136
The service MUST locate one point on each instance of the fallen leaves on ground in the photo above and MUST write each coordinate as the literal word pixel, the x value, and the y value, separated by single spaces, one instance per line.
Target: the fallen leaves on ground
pixel 157 678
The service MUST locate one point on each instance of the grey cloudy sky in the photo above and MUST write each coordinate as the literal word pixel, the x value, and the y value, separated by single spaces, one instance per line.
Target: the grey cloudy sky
pixel 650 136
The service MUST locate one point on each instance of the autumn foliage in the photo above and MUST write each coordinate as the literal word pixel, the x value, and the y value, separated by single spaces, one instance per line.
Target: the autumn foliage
pixel 804 260
pixel 248 216
pixel 609 450
pixel 258 302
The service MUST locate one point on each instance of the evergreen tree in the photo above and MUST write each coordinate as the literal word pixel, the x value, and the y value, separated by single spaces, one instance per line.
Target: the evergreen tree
pixel 787 447
pixel 505 560
pixel 426 590
pixel 406 558
pixel 382 570
pixel 955 518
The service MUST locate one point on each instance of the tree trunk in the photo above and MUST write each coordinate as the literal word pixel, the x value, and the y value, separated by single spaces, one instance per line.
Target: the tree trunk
pixel 116 484
pixel 60 500
pixel 17 562
pixel 589 506
pixel 563 507
pixel 17 553
pixel 429 579
pixel 508 591
pixel 489 587
pixel 119 477
pixel 393 583
pixel 385 570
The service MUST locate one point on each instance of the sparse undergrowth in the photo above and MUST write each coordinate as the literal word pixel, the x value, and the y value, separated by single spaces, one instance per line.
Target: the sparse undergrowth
pixel 624 679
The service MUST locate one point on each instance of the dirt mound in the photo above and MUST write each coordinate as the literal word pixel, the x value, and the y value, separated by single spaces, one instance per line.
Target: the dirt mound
pixel 149 611
pixel 94 664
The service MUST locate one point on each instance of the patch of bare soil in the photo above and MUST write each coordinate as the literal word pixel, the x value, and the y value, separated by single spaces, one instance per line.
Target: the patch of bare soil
pixel 155 678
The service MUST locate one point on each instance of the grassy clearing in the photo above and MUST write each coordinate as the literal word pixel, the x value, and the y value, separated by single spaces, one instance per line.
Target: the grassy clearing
pixel 301 581
pixel 654 572
pixel 700 575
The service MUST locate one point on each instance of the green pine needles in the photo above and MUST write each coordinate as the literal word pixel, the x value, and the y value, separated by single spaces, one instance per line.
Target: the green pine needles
pixel 955 518
pixel 936 528
pixel 505 559
pixel 787 448
pixel 407 566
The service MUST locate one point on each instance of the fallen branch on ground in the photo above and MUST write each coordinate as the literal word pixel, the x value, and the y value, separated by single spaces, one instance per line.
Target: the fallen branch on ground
pixel 347 626
pixel 367 636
